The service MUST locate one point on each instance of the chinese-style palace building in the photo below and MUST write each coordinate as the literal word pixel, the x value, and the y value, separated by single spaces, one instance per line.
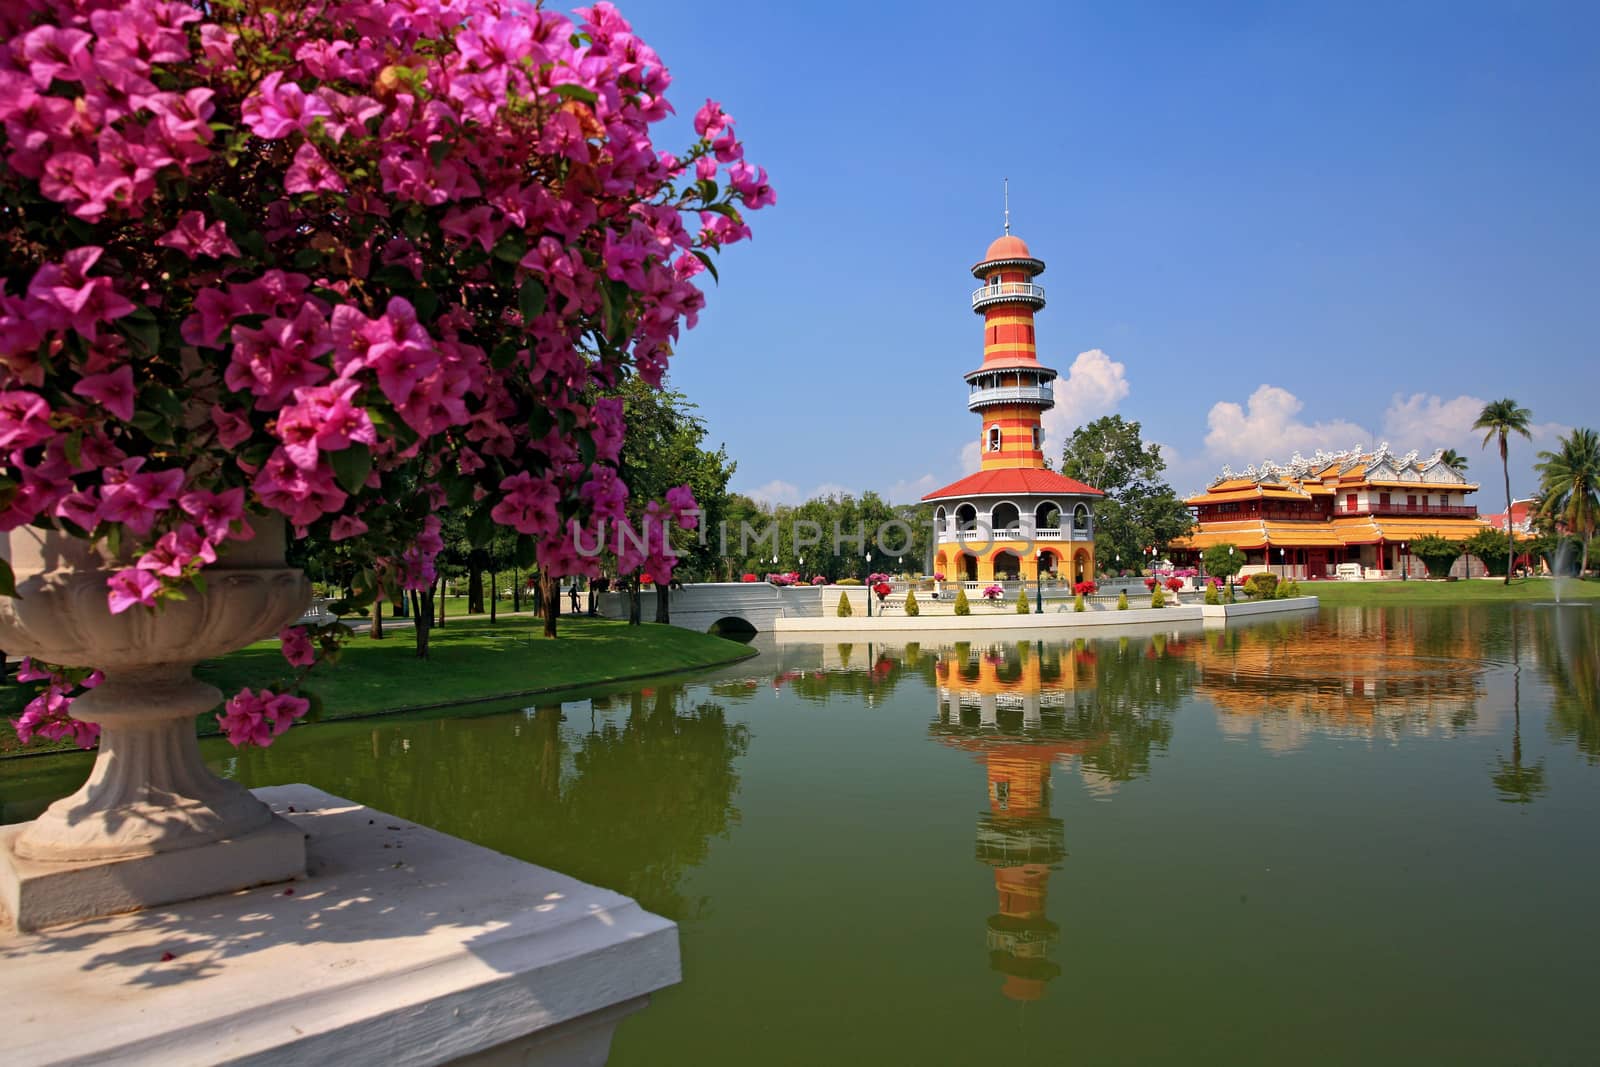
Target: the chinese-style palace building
pixel 1305 518
pixel 1013 518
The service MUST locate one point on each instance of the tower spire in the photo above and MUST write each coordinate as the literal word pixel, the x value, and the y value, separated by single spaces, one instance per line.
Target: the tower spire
pixel 1006 187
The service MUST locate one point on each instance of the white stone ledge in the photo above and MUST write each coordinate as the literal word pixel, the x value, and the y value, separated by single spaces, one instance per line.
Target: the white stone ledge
pixel 402 946
pixel 987 620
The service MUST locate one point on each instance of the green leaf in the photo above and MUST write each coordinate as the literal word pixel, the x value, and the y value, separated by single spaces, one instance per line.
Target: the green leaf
pixel 531 299
pixel 307 258
pixel 585 443
pixel 503 355
pixel 144 328
pixel 576 92
pixel 8 580
pixel 426 303
pixel 199 582
pixel 351 467
pixel 711 266
pixel 510 248
pixel 315 711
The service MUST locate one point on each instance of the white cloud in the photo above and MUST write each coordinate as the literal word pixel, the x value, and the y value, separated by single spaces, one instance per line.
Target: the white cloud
pixel 1426 422
pixel 909 491
pixel 1092 387
pixel 776 491
pixel 1266 428
pixel 971 456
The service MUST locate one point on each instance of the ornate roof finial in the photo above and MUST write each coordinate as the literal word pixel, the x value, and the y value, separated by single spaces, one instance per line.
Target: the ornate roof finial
pixel 1006 192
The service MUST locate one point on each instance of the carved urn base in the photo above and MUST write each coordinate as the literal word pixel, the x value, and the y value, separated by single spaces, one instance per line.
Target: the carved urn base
pixel 153 824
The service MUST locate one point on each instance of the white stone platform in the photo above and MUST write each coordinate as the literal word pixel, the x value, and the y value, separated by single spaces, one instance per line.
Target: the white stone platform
pixel 401 946
pixel 1193 611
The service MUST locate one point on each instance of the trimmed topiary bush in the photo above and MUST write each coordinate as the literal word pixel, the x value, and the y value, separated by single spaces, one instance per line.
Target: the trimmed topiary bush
pixel 848 581
pixel 1261 586
pixel 845 610
pixel 1228 597
pixel 1022 601
pixel 1122 600
pixel 962 607
pixel 911 603
pixel 1078 604
pixel 1211 594
pixel 1158 597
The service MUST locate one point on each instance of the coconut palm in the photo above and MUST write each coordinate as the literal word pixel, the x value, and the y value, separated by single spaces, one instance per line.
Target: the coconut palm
pixel 1499 419
pixel 1569 484
pixel 1454 460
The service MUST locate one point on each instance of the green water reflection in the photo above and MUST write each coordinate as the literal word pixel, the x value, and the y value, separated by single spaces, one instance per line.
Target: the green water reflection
pixel 1366 836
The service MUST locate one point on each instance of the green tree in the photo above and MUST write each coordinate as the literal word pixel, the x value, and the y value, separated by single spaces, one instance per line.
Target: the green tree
pixel 1139 509
pixel 1454 461
pixel 1438 554
pixel 1498 420
pixel 1569 486
pixel 1223 560
pixel 664 448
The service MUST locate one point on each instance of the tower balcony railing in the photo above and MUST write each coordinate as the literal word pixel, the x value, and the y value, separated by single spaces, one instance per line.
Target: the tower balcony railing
pixel 947 533
pixel 1011 394
pixel 1008 292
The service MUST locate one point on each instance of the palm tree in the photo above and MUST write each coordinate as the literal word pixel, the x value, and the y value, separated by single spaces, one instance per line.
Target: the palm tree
pixel 1499 419
pixel 1455 461
pixel 1569 480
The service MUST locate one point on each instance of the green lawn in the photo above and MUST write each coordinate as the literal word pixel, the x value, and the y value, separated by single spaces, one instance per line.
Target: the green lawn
pixel 1477 590
pixel 469 659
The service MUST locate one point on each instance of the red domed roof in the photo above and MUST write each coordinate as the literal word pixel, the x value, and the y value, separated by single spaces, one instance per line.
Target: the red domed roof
pixel 1007 247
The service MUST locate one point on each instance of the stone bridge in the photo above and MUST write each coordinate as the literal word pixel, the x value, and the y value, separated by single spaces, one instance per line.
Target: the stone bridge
pixel 704 604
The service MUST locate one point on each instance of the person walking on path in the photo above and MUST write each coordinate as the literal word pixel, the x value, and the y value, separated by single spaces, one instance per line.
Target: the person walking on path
pixel 572 592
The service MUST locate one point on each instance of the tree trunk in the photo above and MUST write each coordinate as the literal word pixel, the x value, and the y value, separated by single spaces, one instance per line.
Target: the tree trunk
pixel 1511 542
pixel 663 610
pixel 444 594
pixel 633 600
pixel 516 589
pixel 494 593
pixel 550 589
pixel 422 612
pixel 474 591
pixel 377 620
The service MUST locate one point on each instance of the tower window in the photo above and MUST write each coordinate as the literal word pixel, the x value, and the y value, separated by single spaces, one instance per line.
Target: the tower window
pixel 994 439
pixel 1038 439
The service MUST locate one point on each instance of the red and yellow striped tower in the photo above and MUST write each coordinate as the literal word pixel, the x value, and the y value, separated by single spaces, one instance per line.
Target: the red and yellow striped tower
pixel 1013 519
pixel 1011 390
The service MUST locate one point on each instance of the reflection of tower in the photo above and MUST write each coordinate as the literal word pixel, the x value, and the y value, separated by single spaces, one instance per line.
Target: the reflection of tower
pixel 1020 840
pixel 1011 710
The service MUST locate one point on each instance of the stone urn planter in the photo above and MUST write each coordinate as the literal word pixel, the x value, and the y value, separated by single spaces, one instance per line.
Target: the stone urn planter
pixel 152 824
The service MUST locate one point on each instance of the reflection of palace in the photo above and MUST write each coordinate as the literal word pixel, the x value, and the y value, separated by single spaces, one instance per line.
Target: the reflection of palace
pixel 1010 708
pixel 1391 679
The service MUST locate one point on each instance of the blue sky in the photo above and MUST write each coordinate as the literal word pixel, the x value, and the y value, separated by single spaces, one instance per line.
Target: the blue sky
pixel 1268 227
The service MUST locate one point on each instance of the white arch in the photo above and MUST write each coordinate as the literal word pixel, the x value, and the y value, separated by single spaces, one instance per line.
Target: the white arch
pixel 994 520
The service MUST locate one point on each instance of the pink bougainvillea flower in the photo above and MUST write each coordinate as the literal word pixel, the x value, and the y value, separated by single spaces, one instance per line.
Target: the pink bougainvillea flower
pixel 193 237
pixel 215 512
pixel 345 527
pixel 131 587
pixel 112 390
pixel 297 647
pixel 311 173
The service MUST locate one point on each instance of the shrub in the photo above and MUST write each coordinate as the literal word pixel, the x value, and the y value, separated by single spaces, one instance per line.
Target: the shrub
pixel 1211 594
pixel 911 603
pixel 1022 601
pixel 1083 588
pixel 1261 586
pixel 1490 546
pixel 848 581
pixel 993 592
pixel 1158 597
pixel 1219 561
pixel 1150 583
pixel 962 607
pixel 1174 584
pixel 749 578
pixel 1228 596
pixel 845 610
pixel 1078 604
pixel 1122 601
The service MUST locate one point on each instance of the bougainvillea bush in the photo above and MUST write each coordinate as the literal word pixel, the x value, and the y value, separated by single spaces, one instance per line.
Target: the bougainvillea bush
pixel 337 264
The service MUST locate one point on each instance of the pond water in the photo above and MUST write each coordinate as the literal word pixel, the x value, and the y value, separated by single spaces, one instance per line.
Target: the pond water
pixel 1367 834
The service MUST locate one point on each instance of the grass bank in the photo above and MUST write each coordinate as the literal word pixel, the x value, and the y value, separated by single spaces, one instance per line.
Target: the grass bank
pixel 1477 590
pixel 469 660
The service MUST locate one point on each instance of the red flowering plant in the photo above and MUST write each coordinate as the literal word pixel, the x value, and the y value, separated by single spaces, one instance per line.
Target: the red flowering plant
pixel 1174 584
pixel 338 265
pixel 1085 588
pixel 883 589
pixel 1150 583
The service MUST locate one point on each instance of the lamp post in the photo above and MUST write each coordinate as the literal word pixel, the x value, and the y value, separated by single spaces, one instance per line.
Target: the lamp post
pixel 1283 568
pixel 1231 572
pixel 869 585
pixel 1038 585
pixel 801 562
pixel 1405 563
